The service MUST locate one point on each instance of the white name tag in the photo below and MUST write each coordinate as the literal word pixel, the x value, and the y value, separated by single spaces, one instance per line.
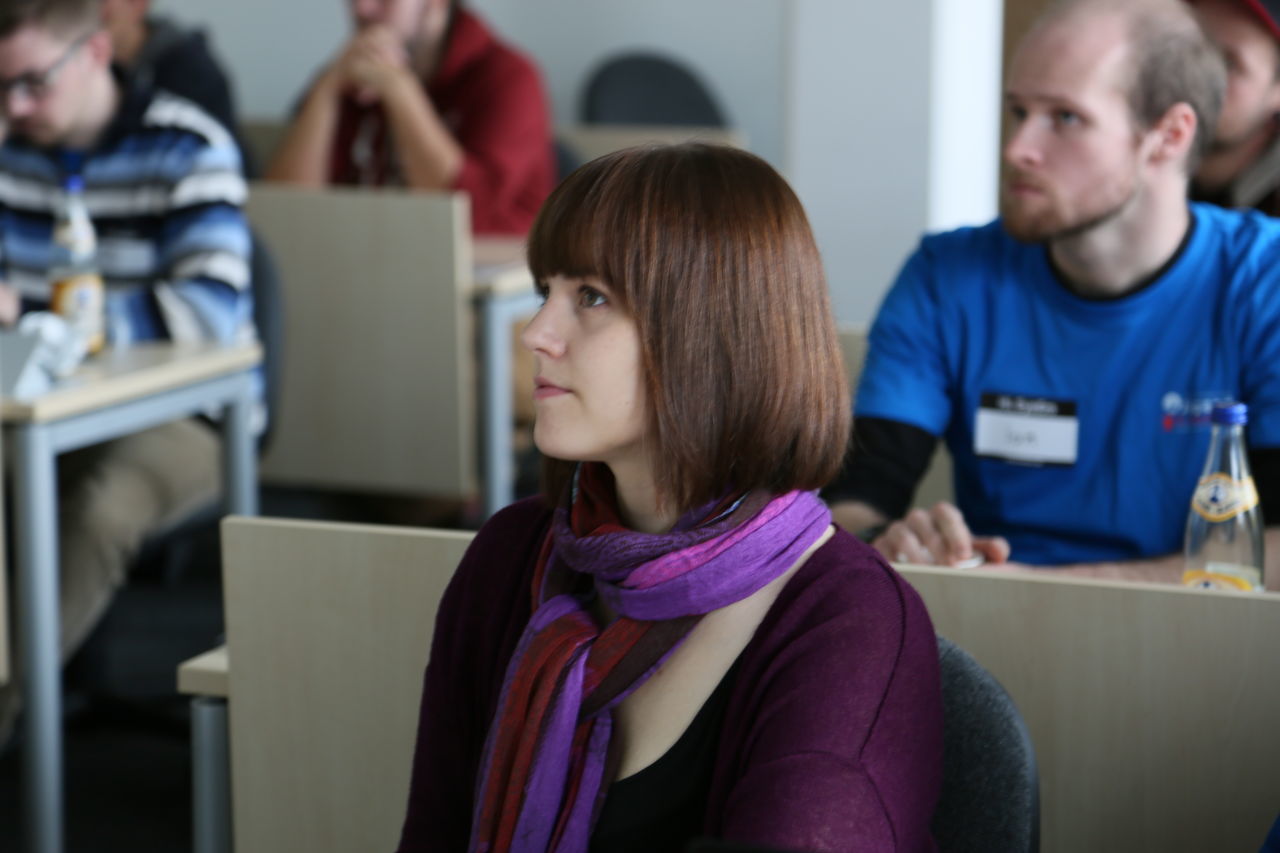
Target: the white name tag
pixel 1030 430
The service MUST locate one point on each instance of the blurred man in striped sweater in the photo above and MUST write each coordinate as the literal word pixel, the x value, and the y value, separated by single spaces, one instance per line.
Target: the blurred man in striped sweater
pixel 163 187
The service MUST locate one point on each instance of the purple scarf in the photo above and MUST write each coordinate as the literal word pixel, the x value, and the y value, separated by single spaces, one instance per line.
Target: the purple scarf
pixel 548 758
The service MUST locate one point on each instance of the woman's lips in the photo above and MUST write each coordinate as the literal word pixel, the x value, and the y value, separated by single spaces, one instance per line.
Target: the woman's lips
pixel 542 389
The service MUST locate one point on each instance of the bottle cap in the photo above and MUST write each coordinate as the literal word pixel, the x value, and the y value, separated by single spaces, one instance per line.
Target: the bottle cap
pixel 73 184
pixel 1230 413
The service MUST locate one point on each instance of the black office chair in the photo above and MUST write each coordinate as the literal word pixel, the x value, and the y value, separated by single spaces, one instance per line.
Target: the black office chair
pixel 268 319
pixel 644 88
pixel 567 158
pixel 990 798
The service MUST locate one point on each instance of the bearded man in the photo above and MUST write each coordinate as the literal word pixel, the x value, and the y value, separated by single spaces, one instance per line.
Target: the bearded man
pixel 1070 352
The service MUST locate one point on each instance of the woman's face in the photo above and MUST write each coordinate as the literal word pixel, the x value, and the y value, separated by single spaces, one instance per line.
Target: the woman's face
pixel 588 395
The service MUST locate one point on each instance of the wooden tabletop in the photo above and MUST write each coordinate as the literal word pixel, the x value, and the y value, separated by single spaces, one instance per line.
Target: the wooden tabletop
pixel 205 675
pixel 120 375
pixel 499 265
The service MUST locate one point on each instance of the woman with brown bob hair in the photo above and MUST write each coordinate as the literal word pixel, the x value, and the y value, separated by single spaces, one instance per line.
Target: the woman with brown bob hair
pixel 675 642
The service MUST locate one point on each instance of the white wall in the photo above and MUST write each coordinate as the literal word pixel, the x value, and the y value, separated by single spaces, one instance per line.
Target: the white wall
pixel 857 137
pixel 270 47
pixel 735 46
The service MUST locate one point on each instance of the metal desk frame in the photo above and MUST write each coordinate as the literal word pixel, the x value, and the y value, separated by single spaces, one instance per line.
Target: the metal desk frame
pixel 37 444
pixel 498 311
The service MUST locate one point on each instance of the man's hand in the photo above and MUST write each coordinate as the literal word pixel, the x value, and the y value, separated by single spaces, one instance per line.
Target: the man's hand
pixel 371 64
pixel 937 536
pixel 10 305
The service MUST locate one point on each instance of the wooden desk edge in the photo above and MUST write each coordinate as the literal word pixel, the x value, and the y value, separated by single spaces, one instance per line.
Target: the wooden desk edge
pixel 498 266
pixel 203 363
pixel 1049 576
pixel 259 521
pixel 205 675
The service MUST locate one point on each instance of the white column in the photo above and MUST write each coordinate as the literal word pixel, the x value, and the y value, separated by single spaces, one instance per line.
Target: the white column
pixel 965 104
pixel 892 130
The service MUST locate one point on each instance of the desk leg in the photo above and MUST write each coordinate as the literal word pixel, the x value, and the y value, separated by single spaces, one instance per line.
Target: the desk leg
pixel 35 513
pixel 240 462
pixel 211 776
pixel 497 416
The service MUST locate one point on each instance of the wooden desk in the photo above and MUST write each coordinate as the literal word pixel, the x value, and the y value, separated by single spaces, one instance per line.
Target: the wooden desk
pixel 1153 708
pixel 504 296
pixel 205 678
pixel 329 627
pixel 114 394
pixel 205 675
pixel 379 392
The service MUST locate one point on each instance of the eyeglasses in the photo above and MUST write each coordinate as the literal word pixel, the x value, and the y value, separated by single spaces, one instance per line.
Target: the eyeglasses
pixel 34 85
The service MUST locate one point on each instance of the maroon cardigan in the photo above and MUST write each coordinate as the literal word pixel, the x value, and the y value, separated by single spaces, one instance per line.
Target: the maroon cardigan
pixel 832 740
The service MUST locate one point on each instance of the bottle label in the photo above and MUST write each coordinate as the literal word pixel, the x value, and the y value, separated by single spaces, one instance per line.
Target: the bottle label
pixel 1224 576
pixel 79 298
pixel 1220 498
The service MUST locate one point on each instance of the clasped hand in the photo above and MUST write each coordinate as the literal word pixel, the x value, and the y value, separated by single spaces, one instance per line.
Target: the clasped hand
pixel 372 63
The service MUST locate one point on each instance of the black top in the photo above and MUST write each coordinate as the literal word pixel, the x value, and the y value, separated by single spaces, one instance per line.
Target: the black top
pixel 180 61
pixel 889 459
pixel 662 808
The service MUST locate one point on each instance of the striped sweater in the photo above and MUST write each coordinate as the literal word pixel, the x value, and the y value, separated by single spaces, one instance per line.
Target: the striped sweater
pixel 164 190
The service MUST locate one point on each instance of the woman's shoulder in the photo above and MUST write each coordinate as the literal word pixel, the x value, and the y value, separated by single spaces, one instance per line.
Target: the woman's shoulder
pixel 511 532
pixel 834 730
pixel 846 582
pixel 502 554
pixel 846 631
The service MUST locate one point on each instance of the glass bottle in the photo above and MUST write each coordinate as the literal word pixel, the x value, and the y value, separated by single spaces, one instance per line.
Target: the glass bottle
pixel 1223 545
pixel 77 290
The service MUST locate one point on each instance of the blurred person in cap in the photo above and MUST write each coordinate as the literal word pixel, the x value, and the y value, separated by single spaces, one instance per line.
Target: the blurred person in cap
pixel 423 95
pixel 1242 165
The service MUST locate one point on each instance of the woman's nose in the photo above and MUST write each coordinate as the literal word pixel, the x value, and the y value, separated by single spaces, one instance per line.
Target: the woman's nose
pixel 542 335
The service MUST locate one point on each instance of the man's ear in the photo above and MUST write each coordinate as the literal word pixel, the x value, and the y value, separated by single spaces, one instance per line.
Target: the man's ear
pixel 1173 135
pixel 1273 98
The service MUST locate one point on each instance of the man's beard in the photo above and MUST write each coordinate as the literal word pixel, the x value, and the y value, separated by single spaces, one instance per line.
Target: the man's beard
pixel 33 133
pixel 1265 122
pixel 1048 223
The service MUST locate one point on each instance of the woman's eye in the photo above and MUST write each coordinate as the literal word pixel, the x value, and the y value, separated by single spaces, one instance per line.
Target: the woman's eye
pixel 1066 117
pixel 589 297
pixel 542 290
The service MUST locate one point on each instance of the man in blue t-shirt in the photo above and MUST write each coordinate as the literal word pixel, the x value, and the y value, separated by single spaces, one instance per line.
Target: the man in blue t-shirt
pixel 1070 352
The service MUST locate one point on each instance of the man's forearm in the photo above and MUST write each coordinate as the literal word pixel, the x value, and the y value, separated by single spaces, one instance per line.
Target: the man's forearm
pixel 302 156
pixel 430 158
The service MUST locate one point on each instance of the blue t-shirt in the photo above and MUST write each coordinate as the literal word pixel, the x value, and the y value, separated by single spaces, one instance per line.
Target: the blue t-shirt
pixel 977 320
